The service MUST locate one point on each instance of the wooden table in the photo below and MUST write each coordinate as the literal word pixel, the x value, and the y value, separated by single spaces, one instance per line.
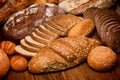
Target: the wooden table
pixel 80 72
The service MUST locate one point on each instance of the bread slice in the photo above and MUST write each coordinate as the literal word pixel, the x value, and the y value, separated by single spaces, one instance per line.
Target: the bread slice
pixel 53 29
pixel 28 47
pixel 47 32
pixel 40 39
pixel 32 42
pixel 24 52
pixel 43 35
pixel 61 28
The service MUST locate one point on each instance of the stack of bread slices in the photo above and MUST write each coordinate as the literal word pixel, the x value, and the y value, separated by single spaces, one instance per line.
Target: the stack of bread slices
pixel 56 27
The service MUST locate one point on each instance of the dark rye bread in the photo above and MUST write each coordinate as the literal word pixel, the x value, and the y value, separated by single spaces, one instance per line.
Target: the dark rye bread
pixel 59 56
pixel 108 27
pixel 47 32
pixel 24 22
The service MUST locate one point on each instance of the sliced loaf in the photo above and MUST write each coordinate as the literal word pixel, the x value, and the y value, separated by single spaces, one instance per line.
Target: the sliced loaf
pixel 19 49
pixel 28 47
pixel 29 40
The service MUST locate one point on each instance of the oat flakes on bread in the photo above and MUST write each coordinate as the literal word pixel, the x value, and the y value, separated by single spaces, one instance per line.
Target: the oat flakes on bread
pixel 79 6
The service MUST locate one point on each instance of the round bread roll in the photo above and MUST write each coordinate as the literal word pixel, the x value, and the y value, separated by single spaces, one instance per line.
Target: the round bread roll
pixel 101 58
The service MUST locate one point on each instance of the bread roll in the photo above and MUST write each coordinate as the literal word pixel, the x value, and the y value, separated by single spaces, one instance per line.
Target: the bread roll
pixel 79 6
pixel 101 58
pixel 25 21
pixel 108 27
pixel 4 63
pixel 61 54
pixel 13 6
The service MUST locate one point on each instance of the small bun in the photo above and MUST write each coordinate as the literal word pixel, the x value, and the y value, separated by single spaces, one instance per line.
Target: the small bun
pixel 101 58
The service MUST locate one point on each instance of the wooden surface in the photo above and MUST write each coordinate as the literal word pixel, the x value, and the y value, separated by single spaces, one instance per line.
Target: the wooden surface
pixel 80 72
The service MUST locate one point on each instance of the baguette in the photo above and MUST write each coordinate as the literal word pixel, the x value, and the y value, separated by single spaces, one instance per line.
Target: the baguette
pixel 61 54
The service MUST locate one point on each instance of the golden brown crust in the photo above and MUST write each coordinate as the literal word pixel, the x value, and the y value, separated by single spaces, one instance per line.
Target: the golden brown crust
pixel 12 6
pixel 61 54
pixel 4 62
pixel 101 58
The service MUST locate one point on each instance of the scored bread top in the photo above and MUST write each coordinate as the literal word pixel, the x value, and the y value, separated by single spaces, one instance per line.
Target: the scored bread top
pixel 59 56
pixel 24 22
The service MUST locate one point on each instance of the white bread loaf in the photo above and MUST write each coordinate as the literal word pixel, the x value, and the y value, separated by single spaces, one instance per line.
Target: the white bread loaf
pixel 79 6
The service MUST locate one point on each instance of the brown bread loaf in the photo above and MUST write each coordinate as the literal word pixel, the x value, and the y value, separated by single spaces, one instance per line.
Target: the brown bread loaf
pixel 11 6
pixel 56 27
pixel 108 27
pixel 61 54
pixel 79 6
pixel 25 21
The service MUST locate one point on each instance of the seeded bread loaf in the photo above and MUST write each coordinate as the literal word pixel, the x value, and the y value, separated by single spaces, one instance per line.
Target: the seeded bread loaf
pixel 79 6
pixel 25 21
pixel 108 26
pixel 12 6
pixel 61 54
pixel 56 27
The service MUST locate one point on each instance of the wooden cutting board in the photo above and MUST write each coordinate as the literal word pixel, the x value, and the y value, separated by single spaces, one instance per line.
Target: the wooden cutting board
pixel 80 72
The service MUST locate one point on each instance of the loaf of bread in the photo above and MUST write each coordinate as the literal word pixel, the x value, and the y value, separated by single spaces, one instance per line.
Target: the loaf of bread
pixel 25 21
pixel 79 6
pixel 12 6
pixel 108 26
pixel 61 54
pixel 56 27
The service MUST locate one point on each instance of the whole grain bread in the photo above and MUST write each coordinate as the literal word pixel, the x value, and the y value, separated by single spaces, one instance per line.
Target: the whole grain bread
pixel 62 53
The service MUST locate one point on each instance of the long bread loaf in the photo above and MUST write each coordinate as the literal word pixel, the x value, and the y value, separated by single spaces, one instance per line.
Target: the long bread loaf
pixel 108 26
pixel 61 54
